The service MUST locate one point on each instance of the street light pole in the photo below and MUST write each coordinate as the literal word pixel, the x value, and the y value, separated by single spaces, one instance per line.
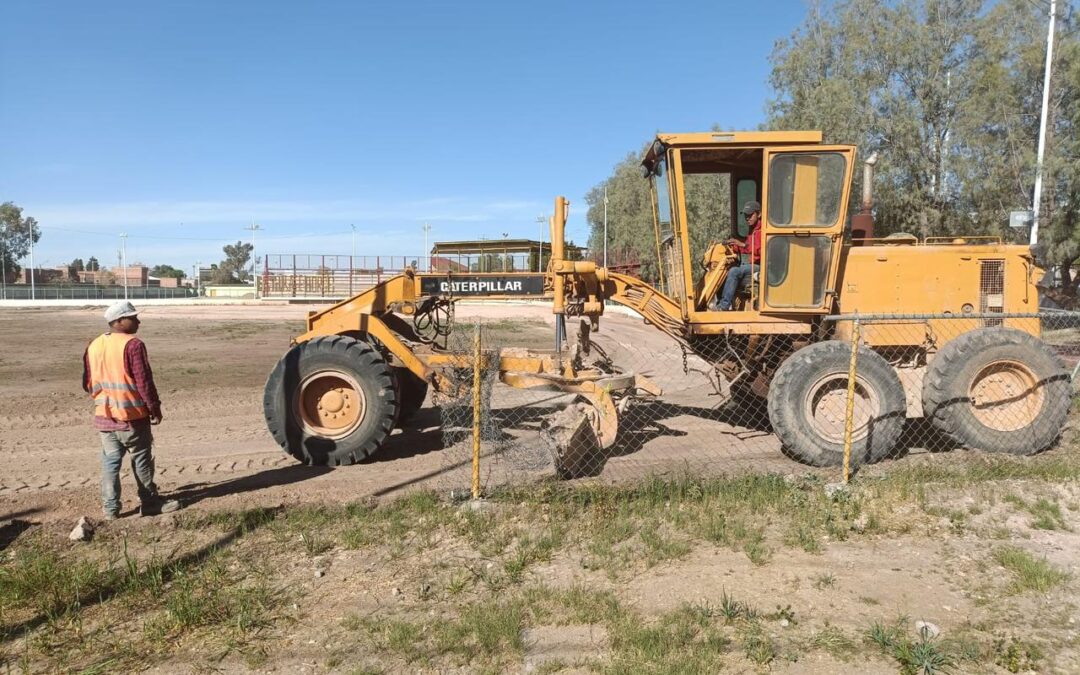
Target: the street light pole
pixel 3 266
pixel 1037 199
pixel 543 221
pixel 33 291
pixel 123 261
pixel 254 257
pixel 427 251
pixel 605 226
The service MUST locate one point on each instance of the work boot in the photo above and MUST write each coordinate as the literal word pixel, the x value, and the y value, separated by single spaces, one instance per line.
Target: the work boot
pixel 157 506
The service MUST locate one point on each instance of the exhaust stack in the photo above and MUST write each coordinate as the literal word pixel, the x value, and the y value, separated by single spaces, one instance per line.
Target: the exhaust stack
pixel 862 223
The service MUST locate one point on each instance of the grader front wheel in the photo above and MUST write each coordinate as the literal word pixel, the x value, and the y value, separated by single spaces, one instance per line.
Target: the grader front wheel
pixel 330 401
pixel 411 392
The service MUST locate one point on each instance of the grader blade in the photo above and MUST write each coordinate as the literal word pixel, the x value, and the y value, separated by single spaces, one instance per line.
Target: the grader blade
pixel 581 433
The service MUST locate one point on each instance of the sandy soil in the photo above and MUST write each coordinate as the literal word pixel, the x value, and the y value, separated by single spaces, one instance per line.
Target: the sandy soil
pixel 210 365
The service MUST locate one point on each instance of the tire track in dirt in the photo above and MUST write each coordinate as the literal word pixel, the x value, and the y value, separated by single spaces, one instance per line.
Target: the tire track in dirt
pixel 216 466
pixel 212 402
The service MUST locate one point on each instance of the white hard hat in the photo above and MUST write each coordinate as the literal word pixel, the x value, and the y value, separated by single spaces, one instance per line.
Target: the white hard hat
pixel 119 310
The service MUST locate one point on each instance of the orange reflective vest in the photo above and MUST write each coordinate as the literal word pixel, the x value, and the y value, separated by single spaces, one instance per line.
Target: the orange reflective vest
pixel 113 389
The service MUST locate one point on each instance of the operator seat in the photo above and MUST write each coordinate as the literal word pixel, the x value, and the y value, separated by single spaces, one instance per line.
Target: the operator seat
pixel 718 259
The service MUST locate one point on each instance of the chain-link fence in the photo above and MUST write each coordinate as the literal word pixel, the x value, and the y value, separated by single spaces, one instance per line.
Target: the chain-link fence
pixel 627 401
pixel 92 292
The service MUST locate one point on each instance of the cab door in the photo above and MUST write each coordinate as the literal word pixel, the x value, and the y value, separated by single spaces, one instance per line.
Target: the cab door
pixel 672 245
pixel 804 206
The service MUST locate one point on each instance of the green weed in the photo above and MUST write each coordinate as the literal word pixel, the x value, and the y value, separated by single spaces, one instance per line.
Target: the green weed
pixel 686 640
pixel 823 581
pixel 1030 573
pixel 1016 655
pixel 834 641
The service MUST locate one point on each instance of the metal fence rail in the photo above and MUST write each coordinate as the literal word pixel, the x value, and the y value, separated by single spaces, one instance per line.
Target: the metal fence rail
pixel 341 276
pixel 92 292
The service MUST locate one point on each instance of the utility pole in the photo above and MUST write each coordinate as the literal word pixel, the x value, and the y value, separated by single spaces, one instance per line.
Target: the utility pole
pixel 605 226
pixel 353 241
pixel 33 292
pixel 198 274
pixel 123 261
pixel 3 264
pixel 543 221
pixel 427 251
pixel 1037 199
pixel 254 258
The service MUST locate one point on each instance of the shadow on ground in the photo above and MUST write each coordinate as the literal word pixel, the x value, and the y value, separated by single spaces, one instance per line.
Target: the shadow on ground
pixel 286 475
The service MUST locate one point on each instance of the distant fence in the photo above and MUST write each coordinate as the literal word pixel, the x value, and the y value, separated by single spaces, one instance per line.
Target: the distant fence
pixel 91 292
pixel 326 276
pixel 341 276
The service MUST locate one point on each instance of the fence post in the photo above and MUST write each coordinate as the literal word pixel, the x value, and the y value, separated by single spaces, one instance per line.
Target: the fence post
pixel 849 414
pixel 477 357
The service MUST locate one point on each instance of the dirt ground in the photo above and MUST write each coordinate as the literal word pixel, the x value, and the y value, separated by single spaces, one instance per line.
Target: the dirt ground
pixel 927 554
pixel 210 364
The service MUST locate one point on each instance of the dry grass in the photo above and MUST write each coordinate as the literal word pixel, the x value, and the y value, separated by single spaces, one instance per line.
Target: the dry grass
pixel 221 586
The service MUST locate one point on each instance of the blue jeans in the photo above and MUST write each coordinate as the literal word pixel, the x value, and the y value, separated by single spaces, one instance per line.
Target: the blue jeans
pixel 735 277
pixel 139 441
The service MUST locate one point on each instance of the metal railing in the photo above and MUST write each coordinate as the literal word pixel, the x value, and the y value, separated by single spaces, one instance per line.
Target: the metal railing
pixel 92 292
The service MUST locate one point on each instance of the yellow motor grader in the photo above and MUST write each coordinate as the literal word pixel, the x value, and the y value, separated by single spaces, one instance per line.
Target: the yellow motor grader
pixel 366 364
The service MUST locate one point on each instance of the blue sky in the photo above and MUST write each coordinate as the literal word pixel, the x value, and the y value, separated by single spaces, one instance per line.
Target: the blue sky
pixel 180 123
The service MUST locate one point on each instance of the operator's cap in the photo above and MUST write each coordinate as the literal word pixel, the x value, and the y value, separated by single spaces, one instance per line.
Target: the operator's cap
pixel 119 310
pixel 750 207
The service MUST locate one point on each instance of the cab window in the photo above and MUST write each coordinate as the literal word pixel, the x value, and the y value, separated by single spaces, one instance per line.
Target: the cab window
pixel 663 199
pixel 746 190
pixel 805 189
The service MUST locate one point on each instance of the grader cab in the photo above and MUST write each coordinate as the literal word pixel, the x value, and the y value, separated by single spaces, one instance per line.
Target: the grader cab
pixel 367 363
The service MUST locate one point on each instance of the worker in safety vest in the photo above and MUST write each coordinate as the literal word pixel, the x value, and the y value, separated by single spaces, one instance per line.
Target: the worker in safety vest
pixel 117 375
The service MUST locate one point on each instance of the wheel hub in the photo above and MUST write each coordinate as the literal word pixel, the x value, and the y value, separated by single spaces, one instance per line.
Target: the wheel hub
pixel 330 404
pixel 1006 396
pixel 826 407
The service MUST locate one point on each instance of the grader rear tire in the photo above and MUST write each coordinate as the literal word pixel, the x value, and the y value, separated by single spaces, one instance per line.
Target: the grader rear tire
pixel 330 401
pixel 807 405
pixel 999 390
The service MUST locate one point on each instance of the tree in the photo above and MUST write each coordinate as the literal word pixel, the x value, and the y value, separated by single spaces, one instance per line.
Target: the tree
pixel 630 215
pixel 631 231
pixel 948 92
pixel 233 269
pixel 92 265
pixel 167 272
pixel 16 234
pixel 78 265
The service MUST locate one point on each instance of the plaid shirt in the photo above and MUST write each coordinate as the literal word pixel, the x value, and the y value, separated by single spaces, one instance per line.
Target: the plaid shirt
pixel 137 365
pixel 752 244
